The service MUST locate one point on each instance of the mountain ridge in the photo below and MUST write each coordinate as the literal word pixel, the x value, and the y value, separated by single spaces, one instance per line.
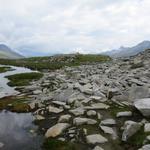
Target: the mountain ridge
pixel 8 53
pixel 128 51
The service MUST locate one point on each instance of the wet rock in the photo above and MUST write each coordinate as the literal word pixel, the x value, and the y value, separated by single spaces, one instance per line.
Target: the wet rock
pixel 143 105
pixel 56 130
pixel 124 114
pixel 39 117
pixel 64 118
pixel 81 121
pixel 55 109
pixel 91 113
pixel 77 112
pixel 130 128
pixel 108 122
pixel 95 139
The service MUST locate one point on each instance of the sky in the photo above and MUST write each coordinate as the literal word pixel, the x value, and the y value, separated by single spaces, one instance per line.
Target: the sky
pixel 41 27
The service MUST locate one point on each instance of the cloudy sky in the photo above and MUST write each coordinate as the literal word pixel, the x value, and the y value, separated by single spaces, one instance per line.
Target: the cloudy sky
pixel 40 27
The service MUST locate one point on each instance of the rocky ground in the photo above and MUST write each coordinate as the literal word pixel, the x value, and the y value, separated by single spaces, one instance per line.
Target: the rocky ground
pixel 100 106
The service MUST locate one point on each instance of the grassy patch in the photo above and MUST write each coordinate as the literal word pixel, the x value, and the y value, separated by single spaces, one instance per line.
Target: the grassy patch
pixel 114 109
pixel 23 79
pixel 5 69
pixel 52 144
pixel 14 104
pixel 55 62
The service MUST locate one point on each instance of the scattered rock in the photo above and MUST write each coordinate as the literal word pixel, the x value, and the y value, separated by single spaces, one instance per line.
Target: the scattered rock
pixel 124 114
pixel 78 111
pixel 108 122
pixel 147 127
pixel 143 105
pixel 109 130
pixel 56 130
pixel 95 139
pixel 55 109
pixel 98 148
pixel 130 128
pixel 39 117
pixel 64 118
pixel 91 113
pixel 81 121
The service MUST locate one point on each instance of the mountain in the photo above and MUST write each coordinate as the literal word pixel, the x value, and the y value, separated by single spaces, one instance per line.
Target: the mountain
pixel 7 53
pixel 128 51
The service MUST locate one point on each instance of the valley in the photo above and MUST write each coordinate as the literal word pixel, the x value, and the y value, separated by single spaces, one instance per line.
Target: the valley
pixel 82 102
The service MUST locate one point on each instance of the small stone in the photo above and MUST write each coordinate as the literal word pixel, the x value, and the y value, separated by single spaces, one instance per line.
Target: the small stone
pixel 147 127
pixel 78 111
pixel 108 122
pixel 109 130
pixel 55 109
pixel 124 114
pixel 91 113
pixel 99 116
pixel 98 148
pixel 39 117
pixel 36 92
pixel 81 121
pixel 64 118
pixel 148 137
pixel 96 139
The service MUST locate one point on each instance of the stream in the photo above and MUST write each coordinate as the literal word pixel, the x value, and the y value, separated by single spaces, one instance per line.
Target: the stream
pixel 17 131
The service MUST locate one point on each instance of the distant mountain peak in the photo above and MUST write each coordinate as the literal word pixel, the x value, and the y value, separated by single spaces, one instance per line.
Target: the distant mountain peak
pixel 129 51
pixel 7 53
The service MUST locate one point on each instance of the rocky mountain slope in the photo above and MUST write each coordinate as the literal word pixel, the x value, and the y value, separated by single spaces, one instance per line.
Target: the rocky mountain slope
pixel 7 53
pixel 129 51
pixel 104 106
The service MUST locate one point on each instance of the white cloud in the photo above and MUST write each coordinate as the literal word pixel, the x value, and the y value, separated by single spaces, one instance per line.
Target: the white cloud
pixel 90 26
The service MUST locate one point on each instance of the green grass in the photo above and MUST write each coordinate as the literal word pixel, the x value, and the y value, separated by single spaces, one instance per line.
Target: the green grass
pixel 42 63
pixel 14 104
pixel 23 79
pixel 5 69
pixel 52 144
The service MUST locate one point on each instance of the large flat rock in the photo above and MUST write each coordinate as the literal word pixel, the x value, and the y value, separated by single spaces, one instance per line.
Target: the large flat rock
pixel 143 105
pixel 56 130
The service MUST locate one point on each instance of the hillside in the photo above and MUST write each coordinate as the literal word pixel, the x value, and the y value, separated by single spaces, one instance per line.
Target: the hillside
pixel 7 53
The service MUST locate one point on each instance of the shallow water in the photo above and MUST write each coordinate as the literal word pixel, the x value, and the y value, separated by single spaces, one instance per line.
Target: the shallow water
pixel 6 90
pixel 15 131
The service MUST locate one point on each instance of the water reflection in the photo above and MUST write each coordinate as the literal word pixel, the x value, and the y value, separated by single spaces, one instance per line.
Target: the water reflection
pixel 15 131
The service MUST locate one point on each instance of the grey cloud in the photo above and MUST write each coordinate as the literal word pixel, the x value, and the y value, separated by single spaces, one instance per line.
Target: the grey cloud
pixel 48 26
